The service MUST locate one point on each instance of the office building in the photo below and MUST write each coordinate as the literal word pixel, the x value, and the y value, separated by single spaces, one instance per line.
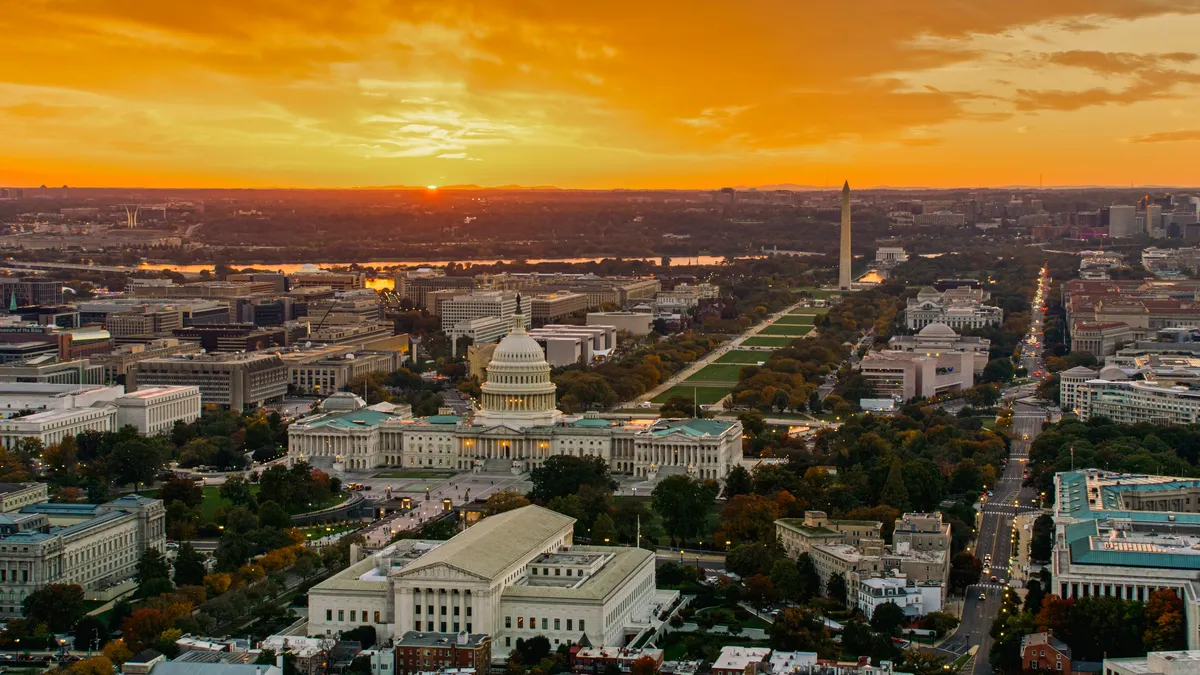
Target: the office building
pixel 513 575
pixel 118 363
pixel 156 410
pixel 586 660
pixel 145 320
pixel 94 546
pixel 1069 382
pixel 233 337
pixel 30 291
pixel 14 496
pixel 233 381
pixel 1135 401
pixel 1185 662
pixel 799 535
pixel 329 368
pixel 1126 536
pixel 417 652
pixel 1122 221
pixel 634 323
pixel 50 370
pixel 26 397
pixel 418 288
pixel 940 219
pixel 52 426
pixel 483 304
pixel 566 345
pixel 552 307
pixel 191 312
pixel 1101 339
pixel 960 308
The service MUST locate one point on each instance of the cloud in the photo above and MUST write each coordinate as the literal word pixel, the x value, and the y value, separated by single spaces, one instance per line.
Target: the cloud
pixel 1166 137
pixel 553 92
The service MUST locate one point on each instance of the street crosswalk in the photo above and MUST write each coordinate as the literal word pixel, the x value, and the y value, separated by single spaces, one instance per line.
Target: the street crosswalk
pixel 988 586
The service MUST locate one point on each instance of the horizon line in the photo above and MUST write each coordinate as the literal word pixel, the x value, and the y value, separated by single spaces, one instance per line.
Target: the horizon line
pixel 793 187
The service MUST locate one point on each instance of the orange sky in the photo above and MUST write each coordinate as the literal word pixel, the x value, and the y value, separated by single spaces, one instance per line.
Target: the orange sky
pixel 687 94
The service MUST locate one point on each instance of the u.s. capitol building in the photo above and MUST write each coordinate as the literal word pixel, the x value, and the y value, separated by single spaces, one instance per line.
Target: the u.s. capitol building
pixel 517 428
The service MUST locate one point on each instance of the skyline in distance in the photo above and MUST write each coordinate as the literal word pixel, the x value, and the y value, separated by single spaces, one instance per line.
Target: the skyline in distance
pixel 667 95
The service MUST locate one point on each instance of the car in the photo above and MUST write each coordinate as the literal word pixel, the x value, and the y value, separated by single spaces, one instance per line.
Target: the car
pixel 994 579
pixel 987 570
pixel 983 596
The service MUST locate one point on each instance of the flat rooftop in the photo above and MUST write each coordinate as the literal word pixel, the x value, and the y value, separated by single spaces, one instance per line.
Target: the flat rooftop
pixel 151 392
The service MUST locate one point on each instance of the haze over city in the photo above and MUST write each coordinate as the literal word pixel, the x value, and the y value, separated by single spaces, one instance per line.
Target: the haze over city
pixel 687 95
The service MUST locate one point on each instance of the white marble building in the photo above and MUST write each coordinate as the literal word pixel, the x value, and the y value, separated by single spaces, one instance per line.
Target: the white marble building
pixel 512 575
pixel 518 428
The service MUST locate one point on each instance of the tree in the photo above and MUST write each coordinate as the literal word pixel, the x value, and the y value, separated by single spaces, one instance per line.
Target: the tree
pixel 997 370
pixel 752 558
pixel 785 576
pixel 760 592
pixel 236 490
pixel 90 633
pixel 534 650
pixel 143 627
pixel 802 629
pixel 97 665
pixel 888 618
pixel 1041 543
pixel 1034 596
pixel 737 482
pixel 835 588
pixel 895 494
pixel 364 635
pixel 604 531
pixel 117 651
pixel 810 579
pixel 563 475
pixel 683 503
pixel 643 665
pixel 59 606
pixel 153 574
pixel 941 622
pixel 1164 622
pixel 189 566
pixel 272 515
pixel 180 489
pixel 499 502
pixel 964 571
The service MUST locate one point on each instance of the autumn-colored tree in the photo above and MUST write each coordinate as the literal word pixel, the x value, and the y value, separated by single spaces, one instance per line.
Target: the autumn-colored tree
pixel 71 495
pixel 216 584
pixel 117 652
pixel 251 572
pixel 1164 622
pixel 760 592
pixel 499 502
pixel 143 627
pixel 748 518
pixel 643 665
pixel 1055 615
pixel 97 665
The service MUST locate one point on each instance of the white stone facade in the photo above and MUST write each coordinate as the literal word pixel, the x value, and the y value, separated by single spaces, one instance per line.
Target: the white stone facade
pixel 514 575
pixel 155 410
pixel 52 426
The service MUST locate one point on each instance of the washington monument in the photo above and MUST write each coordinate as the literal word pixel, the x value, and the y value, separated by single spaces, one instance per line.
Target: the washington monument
pixel 844 275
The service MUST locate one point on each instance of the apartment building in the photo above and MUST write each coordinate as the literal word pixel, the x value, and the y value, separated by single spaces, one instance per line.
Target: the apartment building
pixel 234 381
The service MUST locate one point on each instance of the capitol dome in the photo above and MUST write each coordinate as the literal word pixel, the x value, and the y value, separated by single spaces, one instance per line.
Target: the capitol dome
pixel 518 392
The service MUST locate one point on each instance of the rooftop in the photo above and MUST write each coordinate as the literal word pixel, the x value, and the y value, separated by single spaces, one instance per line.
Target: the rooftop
pixel 415 639
pixel 496 543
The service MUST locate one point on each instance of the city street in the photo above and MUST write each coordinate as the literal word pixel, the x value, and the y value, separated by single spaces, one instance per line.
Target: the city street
pixel 984 599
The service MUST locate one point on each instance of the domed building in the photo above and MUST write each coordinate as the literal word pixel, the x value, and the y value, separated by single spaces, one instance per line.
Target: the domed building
pixel 518 392
pixel 517 428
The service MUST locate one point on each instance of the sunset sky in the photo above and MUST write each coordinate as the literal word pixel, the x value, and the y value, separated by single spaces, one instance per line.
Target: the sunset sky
pixel 685 94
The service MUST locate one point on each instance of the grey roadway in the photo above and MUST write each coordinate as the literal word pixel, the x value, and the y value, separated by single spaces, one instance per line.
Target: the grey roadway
pixel 983 600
